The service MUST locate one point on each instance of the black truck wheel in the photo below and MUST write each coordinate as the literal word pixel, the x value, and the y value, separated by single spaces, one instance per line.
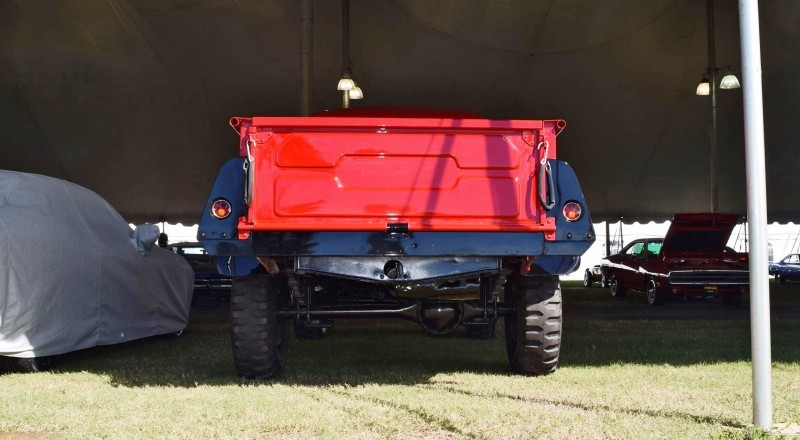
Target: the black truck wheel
pixel 533 330
pixel 258 335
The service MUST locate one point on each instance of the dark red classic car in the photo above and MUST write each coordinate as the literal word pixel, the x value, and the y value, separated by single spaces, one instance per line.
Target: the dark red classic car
pixel 691 261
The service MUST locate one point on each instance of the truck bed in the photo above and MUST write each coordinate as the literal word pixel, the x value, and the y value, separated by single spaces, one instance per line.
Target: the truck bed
pixel 365 174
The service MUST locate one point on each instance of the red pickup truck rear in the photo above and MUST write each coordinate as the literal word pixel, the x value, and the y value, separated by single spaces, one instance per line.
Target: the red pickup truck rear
pixel 443 218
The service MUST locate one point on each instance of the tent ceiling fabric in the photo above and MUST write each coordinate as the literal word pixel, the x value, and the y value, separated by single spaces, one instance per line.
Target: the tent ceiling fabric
pixel 131 98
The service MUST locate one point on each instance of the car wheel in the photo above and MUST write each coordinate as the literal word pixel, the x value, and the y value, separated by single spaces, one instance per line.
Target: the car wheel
pixel 732 299
pixel 533 330
pixel 604 281
pixel 779 278
pixel 258 335
pixel 482 331
pixel 27 365
pixel 617 289
pixel 654 296
pixel 587 278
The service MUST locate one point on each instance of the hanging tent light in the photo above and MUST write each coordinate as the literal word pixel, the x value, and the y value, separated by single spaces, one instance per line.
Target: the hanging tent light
pixel 347 85
pixel 356 92
pixel 729 81
pixel 704 88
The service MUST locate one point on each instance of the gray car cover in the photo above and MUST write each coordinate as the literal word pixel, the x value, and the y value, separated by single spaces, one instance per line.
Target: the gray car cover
pixel 73 274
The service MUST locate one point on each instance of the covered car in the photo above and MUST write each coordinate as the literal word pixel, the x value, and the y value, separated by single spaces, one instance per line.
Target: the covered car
pixel 690 261
pixel 75 274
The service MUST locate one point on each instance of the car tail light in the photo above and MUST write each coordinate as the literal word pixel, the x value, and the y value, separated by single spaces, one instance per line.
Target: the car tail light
pixel 220 208
pixel 572 211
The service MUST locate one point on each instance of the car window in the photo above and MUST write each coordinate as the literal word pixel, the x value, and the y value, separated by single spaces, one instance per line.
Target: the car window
pixel 654 247
pixel 792 259
pixel 635 249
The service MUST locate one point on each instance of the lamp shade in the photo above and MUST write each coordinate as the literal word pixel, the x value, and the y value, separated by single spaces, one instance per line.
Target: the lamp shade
pixel 703 88
pixel 356 93
pixel 729 81
pixel 346 83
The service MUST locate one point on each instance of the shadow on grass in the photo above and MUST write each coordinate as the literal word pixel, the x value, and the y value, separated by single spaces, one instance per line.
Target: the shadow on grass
pixel 398 352
pixel 354 353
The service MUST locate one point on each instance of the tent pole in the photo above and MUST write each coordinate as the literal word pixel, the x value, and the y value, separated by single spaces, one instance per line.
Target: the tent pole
pixel 306 55
pixel 756 213
pixel 712 82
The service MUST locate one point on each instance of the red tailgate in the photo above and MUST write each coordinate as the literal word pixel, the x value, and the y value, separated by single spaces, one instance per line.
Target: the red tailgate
pixel 361 174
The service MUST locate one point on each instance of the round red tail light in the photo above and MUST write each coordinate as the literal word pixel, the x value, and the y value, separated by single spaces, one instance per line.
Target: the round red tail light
pixel 220 208
pixel 572 211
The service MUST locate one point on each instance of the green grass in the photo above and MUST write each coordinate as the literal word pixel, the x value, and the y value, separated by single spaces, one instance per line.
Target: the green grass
pixel 618 378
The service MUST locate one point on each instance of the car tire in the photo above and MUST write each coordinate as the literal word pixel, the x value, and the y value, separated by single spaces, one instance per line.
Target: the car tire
pixel 306 333
pixel 604 282
pixel 27 365
pixel 732 299
pixel 482 331
pixel 655 297
pixel 533 330
pixel 258 335
pixel 779 278
pixel 587 278
pixel 617 289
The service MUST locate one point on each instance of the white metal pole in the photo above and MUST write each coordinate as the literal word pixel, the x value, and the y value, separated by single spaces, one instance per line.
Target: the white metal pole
pixel 756 213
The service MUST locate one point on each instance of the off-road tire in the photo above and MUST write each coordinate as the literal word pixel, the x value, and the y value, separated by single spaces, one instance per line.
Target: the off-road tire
pixel 533 330
pixel 617 288
pixel 732 299
pixel 587 278
pixel 258 335
pixel 306 333
pixel 482 331
pixel 655 297
pixel 27 365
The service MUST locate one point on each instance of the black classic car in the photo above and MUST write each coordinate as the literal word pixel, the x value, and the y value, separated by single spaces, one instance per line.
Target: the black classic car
pixel 690 261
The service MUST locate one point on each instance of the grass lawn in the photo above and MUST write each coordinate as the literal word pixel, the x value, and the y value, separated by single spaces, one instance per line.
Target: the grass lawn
pixel 618 378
